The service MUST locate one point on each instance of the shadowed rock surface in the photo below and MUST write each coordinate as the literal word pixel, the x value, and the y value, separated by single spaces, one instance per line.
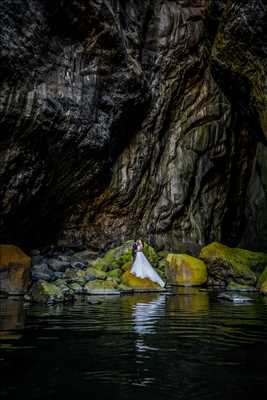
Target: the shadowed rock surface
pixel 120 119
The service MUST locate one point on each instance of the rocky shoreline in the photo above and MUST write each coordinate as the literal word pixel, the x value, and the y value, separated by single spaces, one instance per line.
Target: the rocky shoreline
pixel 64 272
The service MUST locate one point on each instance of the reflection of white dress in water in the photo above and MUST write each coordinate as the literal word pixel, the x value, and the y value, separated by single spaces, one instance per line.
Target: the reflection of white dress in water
pixel 142 268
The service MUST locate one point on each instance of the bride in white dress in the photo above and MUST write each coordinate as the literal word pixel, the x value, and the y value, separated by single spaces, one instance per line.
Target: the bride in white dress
pixel 142 268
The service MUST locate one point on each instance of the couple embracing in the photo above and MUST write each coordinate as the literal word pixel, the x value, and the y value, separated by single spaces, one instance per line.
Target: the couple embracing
pixel 141 266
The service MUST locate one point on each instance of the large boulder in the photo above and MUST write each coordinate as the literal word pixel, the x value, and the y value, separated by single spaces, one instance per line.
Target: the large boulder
pixel 42 272
pixel 263 288
pixel 262 278
pixel 14 270
pixel 227 264
pixel 184 270
pixel 262 282
pixel 135 283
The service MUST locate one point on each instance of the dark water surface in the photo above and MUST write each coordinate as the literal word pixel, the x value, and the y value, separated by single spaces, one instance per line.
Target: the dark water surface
pixel 177 346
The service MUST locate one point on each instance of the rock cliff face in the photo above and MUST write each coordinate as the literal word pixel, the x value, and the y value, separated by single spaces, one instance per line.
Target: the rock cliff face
pixel 132 118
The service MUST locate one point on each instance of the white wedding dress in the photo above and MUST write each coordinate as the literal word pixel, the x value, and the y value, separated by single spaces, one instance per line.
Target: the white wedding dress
pixel 142 269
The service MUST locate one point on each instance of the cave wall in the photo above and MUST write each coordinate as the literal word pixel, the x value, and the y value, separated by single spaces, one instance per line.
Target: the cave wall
pixel 123 119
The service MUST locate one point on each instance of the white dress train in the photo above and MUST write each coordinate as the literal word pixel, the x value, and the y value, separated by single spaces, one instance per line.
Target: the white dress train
pixel 142 269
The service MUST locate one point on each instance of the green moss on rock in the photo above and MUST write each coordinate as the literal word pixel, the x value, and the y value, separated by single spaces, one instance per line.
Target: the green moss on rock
pixel 76 288
pixel 44 292
pixel 127 266
pixel 234 264
pixel 96 273
pixel 115 273
pixel 184 270
pixel 262 278
pixel 263 288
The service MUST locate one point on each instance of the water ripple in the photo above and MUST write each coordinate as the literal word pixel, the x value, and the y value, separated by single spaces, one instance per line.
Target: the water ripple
pixel 184 346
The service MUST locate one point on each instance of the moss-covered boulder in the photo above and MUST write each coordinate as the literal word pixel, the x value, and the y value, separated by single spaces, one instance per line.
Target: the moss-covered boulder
pixel 62 285
pixel 163 264
pixel 263 288
pixel 14 270
pixel 100 287
pixel 227 264
pixel 94 272
pixel 122 255
pixel 115 273
pixel 45 292
pixel 135 283
pixel 184 270
pixel 262 278
pixel 127 266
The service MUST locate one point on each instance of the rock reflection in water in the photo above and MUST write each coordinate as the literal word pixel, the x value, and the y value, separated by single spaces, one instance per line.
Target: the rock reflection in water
pixel 12 318
pixel 190 300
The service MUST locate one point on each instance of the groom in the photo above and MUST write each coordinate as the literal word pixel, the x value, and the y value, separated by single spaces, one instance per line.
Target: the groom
pixel 134 250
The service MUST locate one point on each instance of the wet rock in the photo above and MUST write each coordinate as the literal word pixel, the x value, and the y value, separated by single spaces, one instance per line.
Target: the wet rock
pixel 14 270
pixel 227 264
pixel 42 272
pixel 57 265
pixel 184 270
pixel 100 287
pixel 59 275
pixel 234 297
pixel 89 278
pixel 77 276
pixel 76 288
pixel 78 265
pixel 38 259
pixel 62 285
pixel 44 292
pixel 37 276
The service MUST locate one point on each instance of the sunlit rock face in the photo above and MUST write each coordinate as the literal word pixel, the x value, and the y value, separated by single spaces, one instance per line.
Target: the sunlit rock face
pixel 122 119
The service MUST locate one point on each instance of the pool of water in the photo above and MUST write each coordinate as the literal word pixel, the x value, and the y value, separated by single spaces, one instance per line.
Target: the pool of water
pixel 184 344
